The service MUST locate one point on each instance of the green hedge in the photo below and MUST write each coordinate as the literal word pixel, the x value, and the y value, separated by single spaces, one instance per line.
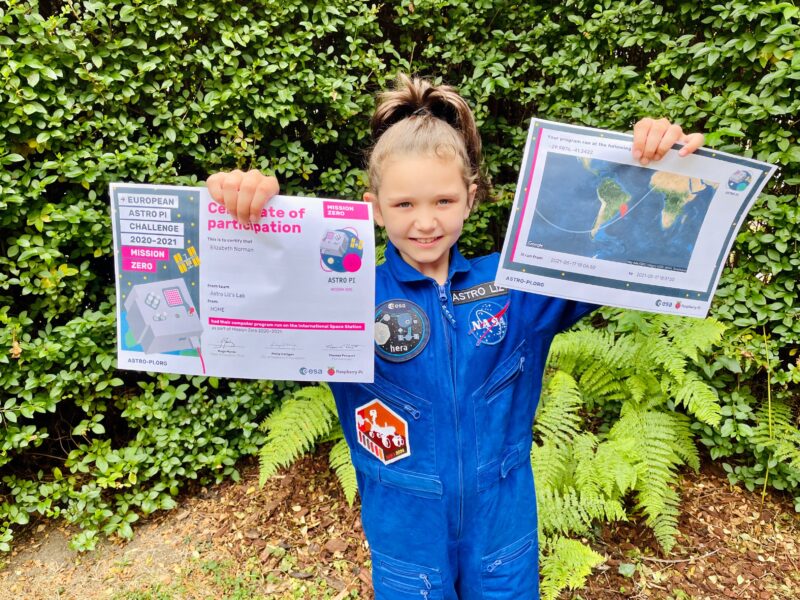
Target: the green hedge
pixel 167 91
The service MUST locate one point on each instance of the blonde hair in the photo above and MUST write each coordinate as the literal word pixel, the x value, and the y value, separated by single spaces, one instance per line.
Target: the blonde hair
pixel 417 117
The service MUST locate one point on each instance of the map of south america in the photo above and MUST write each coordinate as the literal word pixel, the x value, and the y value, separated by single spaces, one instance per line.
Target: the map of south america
pixel 619 212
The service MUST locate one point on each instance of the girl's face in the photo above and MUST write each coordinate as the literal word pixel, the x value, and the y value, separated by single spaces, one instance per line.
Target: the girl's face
pixel 423 203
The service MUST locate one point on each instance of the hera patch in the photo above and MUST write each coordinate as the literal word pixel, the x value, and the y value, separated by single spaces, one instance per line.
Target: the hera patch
pixel 402 330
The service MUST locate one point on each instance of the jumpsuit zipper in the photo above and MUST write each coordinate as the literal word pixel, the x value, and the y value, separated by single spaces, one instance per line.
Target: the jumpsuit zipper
pixel 406 588
pixel 508 378
pixel 507 559
pixel 448 318
pixel 398 402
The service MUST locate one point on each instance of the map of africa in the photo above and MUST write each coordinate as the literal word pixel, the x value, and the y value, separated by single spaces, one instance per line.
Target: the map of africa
pixel 624 213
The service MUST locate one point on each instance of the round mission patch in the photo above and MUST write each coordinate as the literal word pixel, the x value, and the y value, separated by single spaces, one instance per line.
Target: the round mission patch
pixel 402 330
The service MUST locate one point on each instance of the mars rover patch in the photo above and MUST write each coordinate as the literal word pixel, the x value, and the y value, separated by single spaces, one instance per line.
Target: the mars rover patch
pixel 382 432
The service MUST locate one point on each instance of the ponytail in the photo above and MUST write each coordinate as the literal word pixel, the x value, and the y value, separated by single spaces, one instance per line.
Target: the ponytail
pixel 424 117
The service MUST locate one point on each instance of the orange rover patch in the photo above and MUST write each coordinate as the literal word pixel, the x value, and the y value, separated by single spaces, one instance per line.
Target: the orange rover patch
pixel 382 432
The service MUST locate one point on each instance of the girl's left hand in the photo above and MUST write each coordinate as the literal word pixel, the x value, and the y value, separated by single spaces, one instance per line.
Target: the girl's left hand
pixel 652 138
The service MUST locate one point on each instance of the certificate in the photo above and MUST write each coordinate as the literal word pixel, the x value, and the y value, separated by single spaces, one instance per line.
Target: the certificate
pixel 590 223
pixel 289 297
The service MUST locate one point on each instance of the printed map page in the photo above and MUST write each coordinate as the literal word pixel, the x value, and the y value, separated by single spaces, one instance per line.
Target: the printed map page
pixel 619 212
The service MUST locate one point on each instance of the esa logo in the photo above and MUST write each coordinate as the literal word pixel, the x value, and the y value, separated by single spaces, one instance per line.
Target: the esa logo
pixel 305 371
pixel 667 304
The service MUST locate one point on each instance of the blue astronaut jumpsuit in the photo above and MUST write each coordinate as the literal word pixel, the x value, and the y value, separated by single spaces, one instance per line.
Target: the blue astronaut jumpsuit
pixel 441 440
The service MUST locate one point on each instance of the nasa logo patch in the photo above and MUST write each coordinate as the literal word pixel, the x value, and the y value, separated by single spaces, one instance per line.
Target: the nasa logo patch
pixel 402 330
pixel 382 432
pixel 488 323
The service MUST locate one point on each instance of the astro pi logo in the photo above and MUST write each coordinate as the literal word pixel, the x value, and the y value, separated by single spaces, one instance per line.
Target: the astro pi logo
pixel 739 180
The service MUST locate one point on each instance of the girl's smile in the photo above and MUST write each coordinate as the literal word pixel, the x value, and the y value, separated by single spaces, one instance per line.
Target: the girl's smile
pixel 425 242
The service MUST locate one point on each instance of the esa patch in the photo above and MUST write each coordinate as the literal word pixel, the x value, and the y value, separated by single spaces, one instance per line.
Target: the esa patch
pixel 402 330
pixel 382 432
pixel 488 323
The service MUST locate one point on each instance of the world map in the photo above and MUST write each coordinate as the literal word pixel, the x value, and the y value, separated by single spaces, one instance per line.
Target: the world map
pixel 624 213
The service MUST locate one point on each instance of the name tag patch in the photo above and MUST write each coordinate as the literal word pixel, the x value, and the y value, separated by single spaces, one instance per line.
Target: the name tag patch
pixel 478 292
pixel 382 432
pixel 402 330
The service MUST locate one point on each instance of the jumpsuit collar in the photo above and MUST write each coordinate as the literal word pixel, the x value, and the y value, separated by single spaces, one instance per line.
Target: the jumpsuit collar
pixel 403 271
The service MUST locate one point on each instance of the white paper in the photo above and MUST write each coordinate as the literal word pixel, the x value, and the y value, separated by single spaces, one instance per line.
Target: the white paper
pixel 291 297
pixel 590 223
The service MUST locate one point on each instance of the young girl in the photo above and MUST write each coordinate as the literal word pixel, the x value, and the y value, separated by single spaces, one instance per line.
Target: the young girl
pixel 441 440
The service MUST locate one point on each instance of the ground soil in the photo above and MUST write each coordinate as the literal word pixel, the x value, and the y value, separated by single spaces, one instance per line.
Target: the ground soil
pixel 298 528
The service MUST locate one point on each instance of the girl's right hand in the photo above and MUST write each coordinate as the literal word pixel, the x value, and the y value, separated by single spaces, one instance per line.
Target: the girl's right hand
pixel 243 194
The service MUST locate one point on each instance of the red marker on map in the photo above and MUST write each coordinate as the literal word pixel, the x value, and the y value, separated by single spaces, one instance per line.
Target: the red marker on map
pixel 623 210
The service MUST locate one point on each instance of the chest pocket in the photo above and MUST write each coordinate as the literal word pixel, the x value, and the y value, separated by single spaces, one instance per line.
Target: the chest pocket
pixel 394 437
pixel 503 407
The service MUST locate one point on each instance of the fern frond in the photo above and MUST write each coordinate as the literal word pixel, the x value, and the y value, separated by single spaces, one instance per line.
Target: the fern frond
pixel 318 393
pixel 594 477
pixel 603 509
pixel 550 464
pixel 622 352
pixel 692 336
pixel 643 362
pixel 295 427
pixel 784 443
pixel 663 441
pixel 637 386
pixel 618 458
pixel 562 513
pixel 557 420
pixel 699 398
pixel 600 383
pixel 574 348
pixel 572 512
pixel 334 435
pixel 587 478
pixel 661 351
pixel 683 442
pixel 565 563
pixel 665 523
pixel 339 459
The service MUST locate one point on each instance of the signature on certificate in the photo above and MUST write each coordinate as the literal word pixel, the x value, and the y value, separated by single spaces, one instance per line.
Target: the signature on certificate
pixel 343 346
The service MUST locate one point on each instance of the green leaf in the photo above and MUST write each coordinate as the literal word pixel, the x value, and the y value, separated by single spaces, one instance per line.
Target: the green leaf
pixel 127 13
